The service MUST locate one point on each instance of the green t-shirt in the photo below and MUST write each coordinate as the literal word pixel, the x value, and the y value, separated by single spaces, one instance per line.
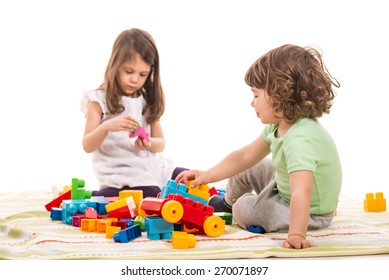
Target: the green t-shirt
pixel 307 146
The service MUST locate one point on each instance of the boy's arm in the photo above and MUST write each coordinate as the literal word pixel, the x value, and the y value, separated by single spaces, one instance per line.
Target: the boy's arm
pixel 301 188
pixel 240 160
pixel 234 163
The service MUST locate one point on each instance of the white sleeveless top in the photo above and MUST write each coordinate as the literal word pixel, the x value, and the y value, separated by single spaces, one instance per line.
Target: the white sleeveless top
pixel 118 162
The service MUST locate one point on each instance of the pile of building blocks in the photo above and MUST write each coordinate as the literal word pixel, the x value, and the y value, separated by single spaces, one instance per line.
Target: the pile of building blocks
pixel 375 203
pixel 179 212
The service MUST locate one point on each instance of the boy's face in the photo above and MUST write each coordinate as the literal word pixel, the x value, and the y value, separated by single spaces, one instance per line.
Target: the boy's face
pixel 262 106
pixel 133 74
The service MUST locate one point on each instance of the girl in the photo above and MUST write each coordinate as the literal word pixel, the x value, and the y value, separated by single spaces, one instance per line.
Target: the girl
pixel 298 190
pixel 131 95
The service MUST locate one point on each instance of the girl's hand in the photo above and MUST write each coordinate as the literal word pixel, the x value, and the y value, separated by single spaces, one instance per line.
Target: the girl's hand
pixel 143 144
pixel 121 123
pixel 198 177
pixel 297 242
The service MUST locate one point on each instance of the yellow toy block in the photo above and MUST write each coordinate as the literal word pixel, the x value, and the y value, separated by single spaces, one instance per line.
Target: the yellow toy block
pixel 201 191
pixel 111 230
pixel 375 204
pixel 183 240
pixel 137 195
pixel 141 212
pixel 123 202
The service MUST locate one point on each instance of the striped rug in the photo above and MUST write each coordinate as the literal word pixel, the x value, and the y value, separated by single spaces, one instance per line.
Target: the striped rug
pixel 27 232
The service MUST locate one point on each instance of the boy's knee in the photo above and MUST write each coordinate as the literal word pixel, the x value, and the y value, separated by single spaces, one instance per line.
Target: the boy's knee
pixel 242 210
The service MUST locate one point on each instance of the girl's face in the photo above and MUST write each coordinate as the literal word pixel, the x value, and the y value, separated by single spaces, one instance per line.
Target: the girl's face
pixel 263 107
pixel 133 74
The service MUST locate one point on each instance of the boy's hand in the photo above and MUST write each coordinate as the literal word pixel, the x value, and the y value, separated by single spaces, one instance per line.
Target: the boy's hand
pixel 297 242
pixel 198 177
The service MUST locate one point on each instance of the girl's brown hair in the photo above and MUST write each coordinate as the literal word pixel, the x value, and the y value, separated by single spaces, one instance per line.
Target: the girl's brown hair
pixel 128 43
pixel 296 80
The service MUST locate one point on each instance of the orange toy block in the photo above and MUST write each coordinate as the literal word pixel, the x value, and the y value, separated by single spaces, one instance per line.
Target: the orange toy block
pixel 183 240
pixel 375 204
pixel 89 224
pixel 103 224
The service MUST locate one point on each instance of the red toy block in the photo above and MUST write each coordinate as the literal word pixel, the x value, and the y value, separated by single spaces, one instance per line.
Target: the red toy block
pixel 177 209
pixel 199 216
pixel 122 208
pixel 170 210
pixel 121 224
pixel 57 202
pixel 212 191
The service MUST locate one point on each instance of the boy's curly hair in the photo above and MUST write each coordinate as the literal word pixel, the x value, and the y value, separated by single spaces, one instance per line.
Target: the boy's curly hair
pixel 296 80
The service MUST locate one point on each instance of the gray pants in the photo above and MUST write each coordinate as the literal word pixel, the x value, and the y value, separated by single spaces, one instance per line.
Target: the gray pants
pixel 265 208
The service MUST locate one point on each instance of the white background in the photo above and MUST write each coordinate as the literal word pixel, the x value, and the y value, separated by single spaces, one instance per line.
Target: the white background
pixel 51 51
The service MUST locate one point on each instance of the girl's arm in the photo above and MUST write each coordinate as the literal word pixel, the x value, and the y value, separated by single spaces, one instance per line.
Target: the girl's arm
pixel 157 140
pixel 94 134
pixel 301 188
pixel 232 164
pixel 96 131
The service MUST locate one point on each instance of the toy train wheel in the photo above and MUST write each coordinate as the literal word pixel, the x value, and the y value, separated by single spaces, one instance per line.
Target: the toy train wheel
pixel 214 226
pixel 172 211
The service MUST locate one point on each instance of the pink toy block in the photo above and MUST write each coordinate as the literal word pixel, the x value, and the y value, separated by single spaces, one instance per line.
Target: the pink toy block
pixel 140 132
pixel 90 213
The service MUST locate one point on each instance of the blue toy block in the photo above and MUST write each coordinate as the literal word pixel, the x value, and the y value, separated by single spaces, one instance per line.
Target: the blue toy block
pixel 100 208
pixel 128 234
pixel 173 188
pixel 256 229
pixel 221 192
pixel 129 222
pixel 56 214
pixel 77 206
pixel 178 227
pixel 157 228
pixel 100 204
